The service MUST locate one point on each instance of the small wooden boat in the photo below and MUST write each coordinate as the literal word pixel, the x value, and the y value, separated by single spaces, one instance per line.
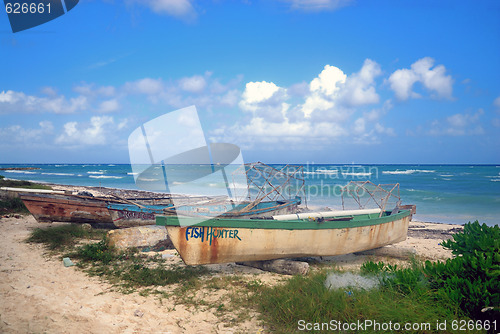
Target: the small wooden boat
pixel 233 240
pixel 128 215
pixel 52 207
pixel 59 207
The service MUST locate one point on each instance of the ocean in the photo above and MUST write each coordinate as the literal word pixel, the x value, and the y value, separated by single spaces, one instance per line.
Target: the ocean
pixel 454 194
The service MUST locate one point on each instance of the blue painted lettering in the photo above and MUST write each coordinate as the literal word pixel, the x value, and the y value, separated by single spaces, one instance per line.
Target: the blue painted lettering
pixel 210 233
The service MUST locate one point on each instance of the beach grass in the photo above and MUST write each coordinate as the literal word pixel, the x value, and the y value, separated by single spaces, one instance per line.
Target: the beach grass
pixel 64 236
pixel 12 205
pixel 462 290
pixel 305 304
pixel 127 270
pixel 15 204
pixel 21 184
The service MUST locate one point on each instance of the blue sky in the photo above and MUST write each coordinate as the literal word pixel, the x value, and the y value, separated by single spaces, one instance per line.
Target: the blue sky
pixel 324 81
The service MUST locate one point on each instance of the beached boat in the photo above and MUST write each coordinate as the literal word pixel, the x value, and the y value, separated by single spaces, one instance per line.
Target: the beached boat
pixel 51 207
pixel 57 207
pixel 324 234
pixel 296 235
pixel 128 215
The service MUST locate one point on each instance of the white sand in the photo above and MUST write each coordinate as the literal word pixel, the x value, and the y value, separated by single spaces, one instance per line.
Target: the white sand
pixel 39 294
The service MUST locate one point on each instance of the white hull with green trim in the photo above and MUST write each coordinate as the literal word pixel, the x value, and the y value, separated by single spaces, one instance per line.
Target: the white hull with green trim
pixel 234 240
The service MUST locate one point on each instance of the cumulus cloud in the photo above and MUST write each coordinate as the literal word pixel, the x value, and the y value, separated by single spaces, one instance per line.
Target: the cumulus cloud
pixel 96 132
pixel 317 5
pixel 19 102
pixel 433 79
pixel 319 111
pixel 324 90
pixel 360 87
pixel 265 99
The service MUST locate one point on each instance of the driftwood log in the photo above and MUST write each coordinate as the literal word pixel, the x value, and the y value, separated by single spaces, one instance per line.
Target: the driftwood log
pixel 282 266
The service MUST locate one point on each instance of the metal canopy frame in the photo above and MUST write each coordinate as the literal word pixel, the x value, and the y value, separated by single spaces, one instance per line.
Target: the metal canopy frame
pixel 265 182
pixel 379 194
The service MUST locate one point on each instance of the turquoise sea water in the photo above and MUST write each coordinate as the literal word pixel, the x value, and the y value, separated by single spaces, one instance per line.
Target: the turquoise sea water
pixel 443 193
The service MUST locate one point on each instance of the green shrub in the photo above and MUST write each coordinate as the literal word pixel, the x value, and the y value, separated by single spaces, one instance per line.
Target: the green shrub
pixel 13 205
pixel 139 275
pixel 471 280
pixel 99 252
pixel 307 298
pixel 21 184
pixel 59 237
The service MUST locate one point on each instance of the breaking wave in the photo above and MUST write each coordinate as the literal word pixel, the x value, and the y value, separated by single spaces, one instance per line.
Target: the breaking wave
pixel 105 177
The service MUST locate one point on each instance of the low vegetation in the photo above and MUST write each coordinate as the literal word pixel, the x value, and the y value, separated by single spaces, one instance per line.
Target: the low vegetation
pixel 462 290
pixel 64 237
pixel 130 270
pixel 15 205
pixel 422 295
pixel 12 205
pixel 470 280
pixel 21 184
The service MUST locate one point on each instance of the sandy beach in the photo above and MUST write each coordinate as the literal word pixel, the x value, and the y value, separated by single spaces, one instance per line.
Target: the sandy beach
pixel 38 294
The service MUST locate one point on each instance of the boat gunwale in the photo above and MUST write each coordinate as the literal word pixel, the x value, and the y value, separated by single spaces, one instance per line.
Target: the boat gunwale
pixel 159 209
pixel 302 224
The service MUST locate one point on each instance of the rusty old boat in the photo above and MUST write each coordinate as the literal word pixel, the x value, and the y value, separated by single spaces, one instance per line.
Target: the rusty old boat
pixel 74 208
pixel 328 233
pixel 232 240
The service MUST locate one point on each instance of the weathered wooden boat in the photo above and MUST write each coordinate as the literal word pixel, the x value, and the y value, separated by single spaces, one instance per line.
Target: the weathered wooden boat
pixel 57 207
pixel 66 208
pixel 234 240
pixel 128 215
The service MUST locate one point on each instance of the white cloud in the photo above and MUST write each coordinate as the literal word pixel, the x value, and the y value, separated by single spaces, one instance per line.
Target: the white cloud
pixel 460 124
pixel 434 80
pixel 199 90
pixel 324 90
pixel 194 84
pixel 360 87
pixel 496 103
pixel 328 81
pixel 256 92
pixel 322 118
pixel 145 86
pixel 16 134
pixel 19 102
pixel 182 9
pixel 333 93
pixel 317 5
pixel 94 133
pixel 108 106
pixel 265 99
pixel 50 91
pixel 402 82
